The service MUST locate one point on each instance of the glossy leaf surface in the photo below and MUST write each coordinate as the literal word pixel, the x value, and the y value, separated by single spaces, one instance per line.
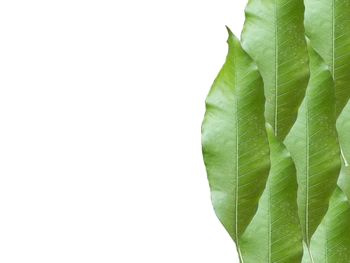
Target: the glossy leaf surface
pixel 314 147
pixel 327 26
pixel 234 140
pixel 274 36
pixel 274 234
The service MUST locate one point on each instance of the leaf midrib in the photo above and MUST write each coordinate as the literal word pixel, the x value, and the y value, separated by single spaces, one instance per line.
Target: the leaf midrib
pixel 334 78
pixel 276 71
pixel 237 160
pixel 275 129
pixel 333 40
pixel 307 163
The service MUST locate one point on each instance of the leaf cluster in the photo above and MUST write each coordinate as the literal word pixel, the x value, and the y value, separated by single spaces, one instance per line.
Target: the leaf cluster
pixel 276 133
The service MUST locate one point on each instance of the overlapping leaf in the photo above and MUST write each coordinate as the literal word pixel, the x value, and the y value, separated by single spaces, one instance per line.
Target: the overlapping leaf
pixel 235 144
pixel 327 25
pixel 274 234
pixel 314 147
pixel 331 241
pixel 274 36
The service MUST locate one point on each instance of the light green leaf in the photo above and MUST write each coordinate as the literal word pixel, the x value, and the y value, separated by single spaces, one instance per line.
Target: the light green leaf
pixel 274 36
pixel 234 140
pixel 314 147
pixel 344 180
pixel 275 235
pixel 331 242
pixel 343 127
pixel 327 26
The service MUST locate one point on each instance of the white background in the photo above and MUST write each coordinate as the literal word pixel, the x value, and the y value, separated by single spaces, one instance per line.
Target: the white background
pixel 101 104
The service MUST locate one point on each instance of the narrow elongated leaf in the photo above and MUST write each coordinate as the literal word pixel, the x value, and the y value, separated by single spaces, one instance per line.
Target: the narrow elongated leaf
pixel 314 147
pixel 328 28
pixel 331 241
pixel 274 35
pixel 327 25
pixel 234 140
pixel 275 235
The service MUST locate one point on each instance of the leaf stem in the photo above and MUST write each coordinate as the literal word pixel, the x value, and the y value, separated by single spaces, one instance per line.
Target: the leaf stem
pixel 239 254
pixel 311 257
pixel 343 156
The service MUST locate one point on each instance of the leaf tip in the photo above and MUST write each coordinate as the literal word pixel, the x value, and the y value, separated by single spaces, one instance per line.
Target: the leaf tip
pixel 231 36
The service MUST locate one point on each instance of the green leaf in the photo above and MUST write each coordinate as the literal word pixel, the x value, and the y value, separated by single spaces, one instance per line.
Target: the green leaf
pixel 344 180
pixel 314 147
pixel 274 36
pixel 275 235
pixel 343 127
pixel 331 242
pixel 234 140
pixel 327 26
